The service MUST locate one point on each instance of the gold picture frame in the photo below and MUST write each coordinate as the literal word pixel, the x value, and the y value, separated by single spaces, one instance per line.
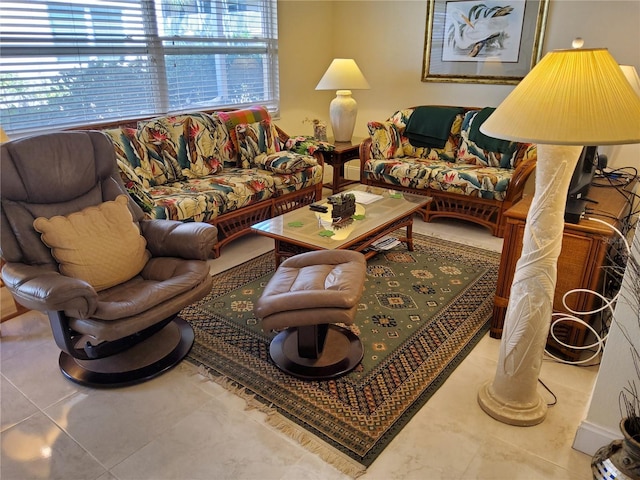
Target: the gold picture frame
pixel 483 41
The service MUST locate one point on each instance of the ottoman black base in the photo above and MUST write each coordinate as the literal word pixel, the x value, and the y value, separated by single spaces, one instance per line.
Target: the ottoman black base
pixel 316 352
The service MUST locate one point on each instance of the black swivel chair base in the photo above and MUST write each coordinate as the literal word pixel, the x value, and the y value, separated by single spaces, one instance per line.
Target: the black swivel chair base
pixel 320 352
pixel 149 358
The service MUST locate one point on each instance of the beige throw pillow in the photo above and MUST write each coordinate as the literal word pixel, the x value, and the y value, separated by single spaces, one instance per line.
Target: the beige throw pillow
pixel 101 244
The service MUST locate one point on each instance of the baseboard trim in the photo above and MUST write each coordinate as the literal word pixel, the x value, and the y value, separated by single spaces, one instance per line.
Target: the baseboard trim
pixel 590 437
pixel 352 172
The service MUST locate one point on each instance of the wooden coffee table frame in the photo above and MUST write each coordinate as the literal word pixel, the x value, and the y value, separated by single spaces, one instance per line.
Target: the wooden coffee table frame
pixel 287 247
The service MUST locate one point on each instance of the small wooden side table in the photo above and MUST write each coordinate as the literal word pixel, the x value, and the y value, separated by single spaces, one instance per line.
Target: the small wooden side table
pixel 344 152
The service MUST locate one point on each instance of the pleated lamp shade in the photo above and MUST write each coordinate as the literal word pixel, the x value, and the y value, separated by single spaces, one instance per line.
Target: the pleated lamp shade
pixel 571 97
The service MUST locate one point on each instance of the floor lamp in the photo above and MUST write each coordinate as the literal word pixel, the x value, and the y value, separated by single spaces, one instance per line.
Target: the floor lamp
pixel 570 99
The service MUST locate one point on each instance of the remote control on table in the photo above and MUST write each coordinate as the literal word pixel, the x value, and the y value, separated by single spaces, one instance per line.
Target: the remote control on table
pixel 319 208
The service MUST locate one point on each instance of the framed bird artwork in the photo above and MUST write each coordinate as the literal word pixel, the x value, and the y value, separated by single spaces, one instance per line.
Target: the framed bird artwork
pixel 483 41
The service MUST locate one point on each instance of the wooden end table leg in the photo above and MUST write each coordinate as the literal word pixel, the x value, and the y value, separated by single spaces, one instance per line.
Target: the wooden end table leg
pixel 337 173
pixel 277 253
pixel 408 224
pixel 410 236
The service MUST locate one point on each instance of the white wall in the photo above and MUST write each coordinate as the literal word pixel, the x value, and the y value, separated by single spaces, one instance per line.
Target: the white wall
pixel 306 32
pixel 386 38
pixel 600 426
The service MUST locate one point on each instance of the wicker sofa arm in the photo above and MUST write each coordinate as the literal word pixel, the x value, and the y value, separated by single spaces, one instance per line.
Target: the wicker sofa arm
pixel 365 154
pixel 519 180
pixel 305 145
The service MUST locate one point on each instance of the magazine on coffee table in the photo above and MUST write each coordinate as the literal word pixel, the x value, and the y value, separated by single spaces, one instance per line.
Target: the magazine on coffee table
pixel 365 198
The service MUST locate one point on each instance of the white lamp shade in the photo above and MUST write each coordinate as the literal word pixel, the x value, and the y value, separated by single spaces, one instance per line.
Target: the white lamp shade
pixel 343 74
pixel 571 97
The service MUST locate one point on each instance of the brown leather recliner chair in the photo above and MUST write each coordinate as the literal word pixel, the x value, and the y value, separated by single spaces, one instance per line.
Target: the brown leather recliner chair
pixel 111 335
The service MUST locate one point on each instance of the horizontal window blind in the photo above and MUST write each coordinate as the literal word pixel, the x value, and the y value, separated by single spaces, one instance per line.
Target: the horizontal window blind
pixel 73 62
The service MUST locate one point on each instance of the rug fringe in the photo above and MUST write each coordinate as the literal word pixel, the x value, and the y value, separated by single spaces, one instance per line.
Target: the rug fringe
pixel 311 443
pixel 276 420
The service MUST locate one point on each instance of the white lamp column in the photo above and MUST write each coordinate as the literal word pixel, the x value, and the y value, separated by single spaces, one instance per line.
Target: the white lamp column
pixel 513 397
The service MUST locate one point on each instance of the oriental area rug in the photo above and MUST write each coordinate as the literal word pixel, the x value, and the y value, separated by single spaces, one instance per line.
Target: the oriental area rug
pixel 420 314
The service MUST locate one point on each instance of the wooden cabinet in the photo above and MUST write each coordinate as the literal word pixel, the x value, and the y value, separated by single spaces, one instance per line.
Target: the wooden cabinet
pixel 343 153
pixel 583 254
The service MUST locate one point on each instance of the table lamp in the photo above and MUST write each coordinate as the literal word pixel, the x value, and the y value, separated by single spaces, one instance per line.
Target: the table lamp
pixel 570 99
pixel 343 75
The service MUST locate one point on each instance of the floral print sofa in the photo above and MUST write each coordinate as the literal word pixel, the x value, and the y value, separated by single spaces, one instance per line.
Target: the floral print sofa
pixel 231 169
pixel 469 175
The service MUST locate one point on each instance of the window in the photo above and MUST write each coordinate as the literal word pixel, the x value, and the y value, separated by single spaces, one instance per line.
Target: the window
pixel 75 62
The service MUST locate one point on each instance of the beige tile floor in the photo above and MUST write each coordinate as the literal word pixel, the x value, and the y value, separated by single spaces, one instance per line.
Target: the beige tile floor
pixel 182 427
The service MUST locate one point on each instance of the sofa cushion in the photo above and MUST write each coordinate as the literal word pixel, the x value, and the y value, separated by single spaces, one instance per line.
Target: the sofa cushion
pixel 448 153
pixel 245 115
pixel 465 179
pixel 137 171
pixel 407 172
pixel 181 202
pixel 100 244
pixel 471 180
pixel 166 144
pixel 291 182
pixel 284 162
pixel 224 144
pixel 430 126
pixel 255 139
pixel 190 145
pixel 206 139
pixel 401 118
pixel 385 140
pixel 133 159
pixel 473 145
pixel 203 199
pixel 307 145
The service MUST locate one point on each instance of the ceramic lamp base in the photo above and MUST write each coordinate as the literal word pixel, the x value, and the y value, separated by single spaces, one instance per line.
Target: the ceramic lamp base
pixel 342 112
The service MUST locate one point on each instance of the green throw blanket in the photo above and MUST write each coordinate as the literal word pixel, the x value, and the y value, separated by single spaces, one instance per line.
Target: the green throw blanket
pixel 485 142
pixel 430 126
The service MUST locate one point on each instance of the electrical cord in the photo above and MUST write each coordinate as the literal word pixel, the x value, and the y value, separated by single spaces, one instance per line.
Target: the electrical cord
pixel 616 267
pixel 619 179
pixel 555 399
pixel 607 305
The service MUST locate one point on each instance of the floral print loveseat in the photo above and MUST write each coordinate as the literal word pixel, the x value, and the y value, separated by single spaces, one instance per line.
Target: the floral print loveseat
pixel 441 153
pixel 231 169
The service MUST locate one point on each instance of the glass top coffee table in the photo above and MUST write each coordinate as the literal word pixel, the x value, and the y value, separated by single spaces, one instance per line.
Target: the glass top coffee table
pixel 379 212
